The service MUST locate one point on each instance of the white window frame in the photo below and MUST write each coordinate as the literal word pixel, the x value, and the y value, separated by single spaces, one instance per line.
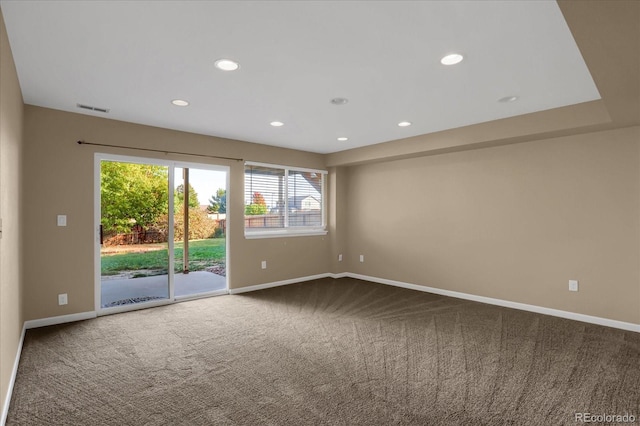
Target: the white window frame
pixel 287 231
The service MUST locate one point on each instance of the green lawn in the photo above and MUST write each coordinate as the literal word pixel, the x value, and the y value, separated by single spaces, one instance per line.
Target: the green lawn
pixel 202 253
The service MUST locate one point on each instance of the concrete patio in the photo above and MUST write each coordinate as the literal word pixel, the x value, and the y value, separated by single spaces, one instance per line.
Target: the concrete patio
pixel 194 283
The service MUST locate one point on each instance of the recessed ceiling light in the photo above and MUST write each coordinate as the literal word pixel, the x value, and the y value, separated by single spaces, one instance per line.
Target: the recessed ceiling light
pixel 508 99
pixel 404 123
pixel 452 59
pixel 179 102
pixel 277 123
pixel 226 65
pixel 342 139
pixel 339 101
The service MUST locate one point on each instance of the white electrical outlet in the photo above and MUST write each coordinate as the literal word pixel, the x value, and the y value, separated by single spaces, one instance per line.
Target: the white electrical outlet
pixel 573 285
pixel 264 264
pixel 62 299
pixel 339 258
pixel 62 220
pixel 362 258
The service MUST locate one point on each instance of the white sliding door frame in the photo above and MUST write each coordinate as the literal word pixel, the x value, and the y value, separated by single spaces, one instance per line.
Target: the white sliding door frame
pixel 171 165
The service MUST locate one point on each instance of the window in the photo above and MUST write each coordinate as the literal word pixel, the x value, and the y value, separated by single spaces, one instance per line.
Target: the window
pixel 283 201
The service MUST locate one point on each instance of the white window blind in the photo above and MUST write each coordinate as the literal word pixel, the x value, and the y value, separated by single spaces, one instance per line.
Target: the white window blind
pixel 283 200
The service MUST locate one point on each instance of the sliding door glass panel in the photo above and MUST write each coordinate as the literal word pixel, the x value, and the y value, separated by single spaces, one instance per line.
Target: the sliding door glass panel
pixel 134 221
pixel 199 231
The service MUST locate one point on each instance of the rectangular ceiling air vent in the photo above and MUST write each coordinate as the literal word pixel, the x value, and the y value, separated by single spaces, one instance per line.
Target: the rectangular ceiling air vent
pixel 92 108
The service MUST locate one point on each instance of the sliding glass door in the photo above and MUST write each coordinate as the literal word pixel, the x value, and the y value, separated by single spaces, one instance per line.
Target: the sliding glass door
pixel 161 232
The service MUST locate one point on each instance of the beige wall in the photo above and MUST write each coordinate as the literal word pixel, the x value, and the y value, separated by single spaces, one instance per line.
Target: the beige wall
pixel 513 222
pixel 337 226
pixel 59 180
pixel 11 110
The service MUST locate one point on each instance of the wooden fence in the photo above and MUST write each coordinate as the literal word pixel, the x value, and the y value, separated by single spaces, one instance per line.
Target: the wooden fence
pixel 140 237
pixel 150 236
pixel 302 218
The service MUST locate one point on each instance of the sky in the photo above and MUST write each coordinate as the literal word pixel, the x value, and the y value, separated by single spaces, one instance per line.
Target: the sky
pixel 205 182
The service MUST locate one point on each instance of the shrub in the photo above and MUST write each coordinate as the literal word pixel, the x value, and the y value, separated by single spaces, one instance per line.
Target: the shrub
pixel 200 225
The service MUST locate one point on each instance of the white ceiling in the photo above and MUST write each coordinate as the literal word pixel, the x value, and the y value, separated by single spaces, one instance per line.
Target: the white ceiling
pixel 134 57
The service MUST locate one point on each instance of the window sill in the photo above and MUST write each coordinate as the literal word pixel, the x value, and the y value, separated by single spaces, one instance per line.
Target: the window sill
pixel 284 233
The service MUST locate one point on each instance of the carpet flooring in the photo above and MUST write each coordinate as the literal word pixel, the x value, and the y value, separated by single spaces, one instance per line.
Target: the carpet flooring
pixel 325 352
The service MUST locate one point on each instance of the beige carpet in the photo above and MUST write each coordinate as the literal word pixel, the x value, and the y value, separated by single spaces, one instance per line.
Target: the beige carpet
pixel 326 352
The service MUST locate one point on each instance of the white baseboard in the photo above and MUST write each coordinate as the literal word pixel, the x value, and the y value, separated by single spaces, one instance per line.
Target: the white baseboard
pixel 12 379
pixel 43 322
pixel 284 282
pixel 482 299
pixel 505 303
pixel 340 275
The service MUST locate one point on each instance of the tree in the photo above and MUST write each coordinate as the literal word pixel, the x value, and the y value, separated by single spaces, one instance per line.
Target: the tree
pixel 258 205
pixel 218 202
pixel 132 195
pixel 179 197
